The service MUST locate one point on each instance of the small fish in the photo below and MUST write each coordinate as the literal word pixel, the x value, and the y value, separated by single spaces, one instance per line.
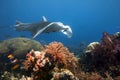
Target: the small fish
pixel 14 62
pixel 10 56
pixel 15 67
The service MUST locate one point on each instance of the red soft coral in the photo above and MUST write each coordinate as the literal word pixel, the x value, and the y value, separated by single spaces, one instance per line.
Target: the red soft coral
pixel 62 56
pixel 106 54
pixel 57 52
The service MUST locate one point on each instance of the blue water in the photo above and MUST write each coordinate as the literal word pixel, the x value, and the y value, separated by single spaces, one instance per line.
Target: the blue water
pixel 87 18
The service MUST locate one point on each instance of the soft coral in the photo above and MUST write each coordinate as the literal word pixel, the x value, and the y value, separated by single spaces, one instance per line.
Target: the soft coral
pixel 105 54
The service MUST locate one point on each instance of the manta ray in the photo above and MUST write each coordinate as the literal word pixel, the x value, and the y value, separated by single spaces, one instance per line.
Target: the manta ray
pixel 43 27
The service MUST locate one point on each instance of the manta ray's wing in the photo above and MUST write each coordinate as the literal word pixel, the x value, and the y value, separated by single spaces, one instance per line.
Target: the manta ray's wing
pixel 56 27
pixel 51 27
pixel 41 30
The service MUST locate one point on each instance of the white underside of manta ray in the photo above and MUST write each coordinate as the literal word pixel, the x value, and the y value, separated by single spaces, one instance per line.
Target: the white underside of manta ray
pixel 43 27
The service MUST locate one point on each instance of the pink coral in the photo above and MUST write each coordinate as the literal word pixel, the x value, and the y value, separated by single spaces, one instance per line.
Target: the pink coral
pixel 38 58
pixel 54 55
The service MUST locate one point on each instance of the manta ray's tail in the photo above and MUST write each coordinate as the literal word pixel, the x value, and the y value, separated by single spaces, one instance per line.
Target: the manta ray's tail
pixel 19 26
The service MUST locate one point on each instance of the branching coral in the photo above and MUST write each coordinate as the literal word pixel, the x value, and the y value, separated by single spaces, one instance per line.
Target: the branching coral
pixel 54 55
pixel 38 64
pixel 61 55
pixel 57 52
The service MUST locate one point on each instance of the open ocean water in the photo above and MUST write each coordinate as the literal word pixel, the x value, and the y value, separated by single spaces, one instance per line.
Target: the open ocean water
pixel 87 18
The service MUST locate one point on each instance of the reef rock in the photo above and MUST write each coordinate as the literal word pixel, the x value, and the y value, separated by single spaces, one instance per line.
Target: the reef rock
pixel 63 74
pixel 19 46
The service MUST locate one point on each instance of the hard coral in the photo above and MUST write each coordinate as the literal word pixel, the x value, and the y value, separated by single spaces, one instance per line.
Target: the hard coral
pixel 19 46
pixel 55 55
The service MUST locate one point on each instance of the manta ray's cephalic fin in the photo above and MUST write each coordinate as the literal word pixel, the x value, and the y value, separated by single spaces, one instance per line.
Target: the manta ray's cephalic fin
pixel 44 19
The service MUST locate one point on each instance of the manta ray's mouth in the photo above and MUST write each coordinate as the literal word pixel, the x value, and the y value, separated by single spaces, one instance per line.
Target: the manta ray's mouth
pixel 67 31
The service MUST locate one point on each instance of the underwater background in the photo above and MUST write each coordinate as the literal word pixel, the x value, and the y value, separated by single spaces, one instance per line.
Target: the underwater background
pixel 92 53
pixel 87 18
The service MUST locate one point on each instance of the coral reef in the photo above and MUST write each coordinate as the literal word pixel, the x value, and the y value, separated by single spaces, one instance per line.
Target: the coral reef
pixel 101 60
pixel 13 52
pixel 55 55
pixel 57 74
pixel 105 57
pixel 19 46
